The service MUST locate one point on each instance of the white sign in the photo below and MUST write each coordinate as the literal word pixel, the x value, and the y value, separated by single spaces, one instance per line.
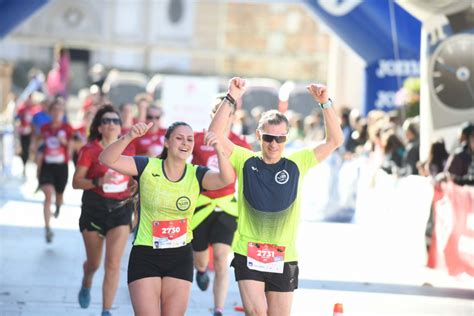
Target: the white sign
pixel 189 99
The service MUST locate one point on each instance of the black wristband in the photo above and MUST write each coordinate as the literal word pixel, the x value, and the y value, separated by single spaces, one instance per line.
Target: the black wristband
pixel 231 100
pixel 95 181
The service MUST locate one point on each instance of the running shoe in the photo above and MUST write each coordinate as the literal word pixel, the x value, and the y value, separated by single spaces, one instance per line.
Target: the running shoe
pixel 202 280
pixel 56 213
pixel 218 313
pixel 84 297
pixel 49 235
pixel 106 313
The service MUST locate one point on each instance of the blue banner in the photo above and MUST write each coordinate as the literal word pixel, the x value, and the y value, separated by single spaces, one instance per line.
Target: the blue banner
pixel 13 12
pixel 384 35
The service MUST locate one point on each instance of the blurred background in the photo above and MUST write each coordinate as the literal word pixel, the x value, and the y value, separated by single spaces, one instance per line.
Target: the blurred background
pixel 394 205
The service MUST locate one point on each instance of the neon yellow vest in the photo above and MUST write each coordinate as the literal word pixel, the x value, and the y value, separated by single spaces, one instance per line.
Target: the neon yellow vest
pixel 161 199
pixel 227 203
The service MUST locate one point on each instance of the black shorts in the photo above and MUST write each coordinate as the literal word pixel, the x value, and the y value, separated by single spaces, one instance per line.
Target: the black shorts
pixel 25 141
pixel 276 282
pixel 55 174
pixel 218 227
pixel 145 262
pixel 102 214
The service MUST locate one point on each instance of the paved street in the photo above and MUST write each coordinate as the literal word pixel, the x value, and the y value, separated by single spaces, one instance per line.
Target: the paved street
pixel 337 264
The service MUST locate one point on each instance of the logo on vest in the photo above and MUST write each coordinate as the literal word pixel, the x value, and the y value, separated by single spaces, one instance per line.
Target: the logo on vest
pixel 183 203
pixel 282 177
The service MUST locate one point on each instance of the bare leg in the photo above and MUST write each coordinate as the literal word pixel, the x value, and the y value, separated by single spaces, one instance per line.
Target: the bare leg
pixel 48 190
pixel 201 260
pixel 253 297
pixel 279 303
pixel 94 244
pixel 221 279
pixel 174 296
pixel 145 295
pixel 115 242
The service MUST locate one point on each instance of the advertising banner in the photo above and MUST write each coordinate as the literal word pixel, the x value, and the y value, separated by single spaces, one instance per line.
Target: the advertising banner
pixel 188 99
pixel 452 246
pixel 381 33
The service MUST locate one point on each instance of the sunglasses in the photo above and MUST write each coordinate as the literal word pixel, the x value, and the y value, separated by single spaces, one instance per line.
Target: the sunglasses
pixel 107 120
pixel 270 138
pixel 151 117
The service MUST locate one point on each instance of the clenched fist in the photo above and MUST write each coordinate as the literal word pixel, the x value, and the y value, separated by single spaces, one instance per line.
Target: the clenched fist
pixel 212 139
pixel 319 92
pixel 237 87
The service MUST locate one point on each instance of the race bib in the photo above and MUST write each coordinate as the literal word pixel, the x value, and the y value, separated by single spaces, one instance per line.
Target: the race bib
pixel 265 257
pixel 117 184
pixel 54 152
pixel 169 234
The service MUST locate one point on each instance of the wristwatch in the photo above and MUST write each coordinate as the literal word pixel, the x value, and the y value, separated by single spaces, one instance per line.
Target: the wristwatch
pixel 95 181
pixel 326 105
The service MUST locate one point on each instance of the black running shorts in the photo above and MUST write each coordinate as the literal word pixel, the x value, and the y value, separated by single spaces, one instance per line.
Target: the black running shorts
pixel 102 214
pixel 145 262
pixel 218 227
pixel 276 282
pixel 54 174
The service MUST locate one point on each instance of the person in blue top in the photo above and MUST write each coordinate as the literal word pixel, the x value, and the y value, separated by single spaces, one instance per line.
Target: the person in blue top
pixel 269 185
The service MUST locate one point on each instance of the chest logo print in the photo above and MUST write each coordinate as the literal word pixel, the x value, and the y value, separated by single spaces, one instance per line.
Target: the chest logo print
pixel 282 177
pixel 183 203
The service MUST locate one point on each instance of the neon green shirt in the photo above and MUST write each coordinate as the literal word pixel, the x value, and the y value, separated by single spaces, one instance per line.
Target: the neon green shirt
pixel 269 198
pixel 164 200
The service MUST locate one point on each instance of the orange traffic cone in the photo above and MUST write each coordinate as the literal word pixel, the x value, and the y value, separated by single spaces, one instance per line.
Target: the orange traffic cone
pixel 338 310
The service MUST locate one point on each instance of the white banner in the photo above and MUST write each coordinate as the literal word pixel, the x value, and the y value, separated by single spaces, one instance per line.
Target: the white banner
pixel 188 99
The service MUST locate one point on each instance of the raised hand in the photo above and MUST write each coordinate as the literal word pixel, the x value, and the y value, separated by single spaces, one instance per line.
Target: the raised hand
pixel 319 92
pixel 237 87
pixel 212 139
pixel 139 129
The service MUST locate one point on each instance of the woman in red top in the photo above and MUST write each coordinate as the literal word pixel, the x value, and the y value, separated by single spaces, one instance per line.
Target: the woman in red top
pixel 106 207
pixel 152 144
pixel 53 167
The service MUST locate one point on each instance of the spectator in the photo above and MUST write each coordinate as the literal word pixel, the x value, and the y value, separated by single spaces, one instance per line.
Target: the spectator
pixel 461 164
pixel 394 151
pixel 412 148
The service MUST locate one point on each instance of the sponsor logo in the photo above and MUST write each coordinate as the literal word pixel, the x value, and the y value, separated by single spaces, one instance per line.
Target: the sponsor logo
pixel 385 99
pixel 339 7
pixel 282 177
pixel 183 203
pixel 397 68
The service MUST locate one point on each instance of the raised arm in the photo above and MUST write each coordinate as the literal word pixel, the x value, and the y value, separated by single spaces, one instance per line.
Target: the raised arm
pixel 214 180
pixel 220 120
pixel 334 135
pixel 112 155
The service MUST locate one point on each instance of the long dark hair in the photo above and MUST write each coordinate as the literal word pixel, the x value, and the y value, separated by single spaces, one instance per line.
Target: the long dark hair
pixel 438 156
pixel 96 121
pixel 171 128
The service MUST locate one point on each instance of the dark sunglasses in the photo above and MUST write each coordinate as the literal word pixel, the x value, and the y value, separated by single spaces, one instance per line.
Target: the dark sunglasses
pixel 150 117
pixel 270 138
pixel 107 120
